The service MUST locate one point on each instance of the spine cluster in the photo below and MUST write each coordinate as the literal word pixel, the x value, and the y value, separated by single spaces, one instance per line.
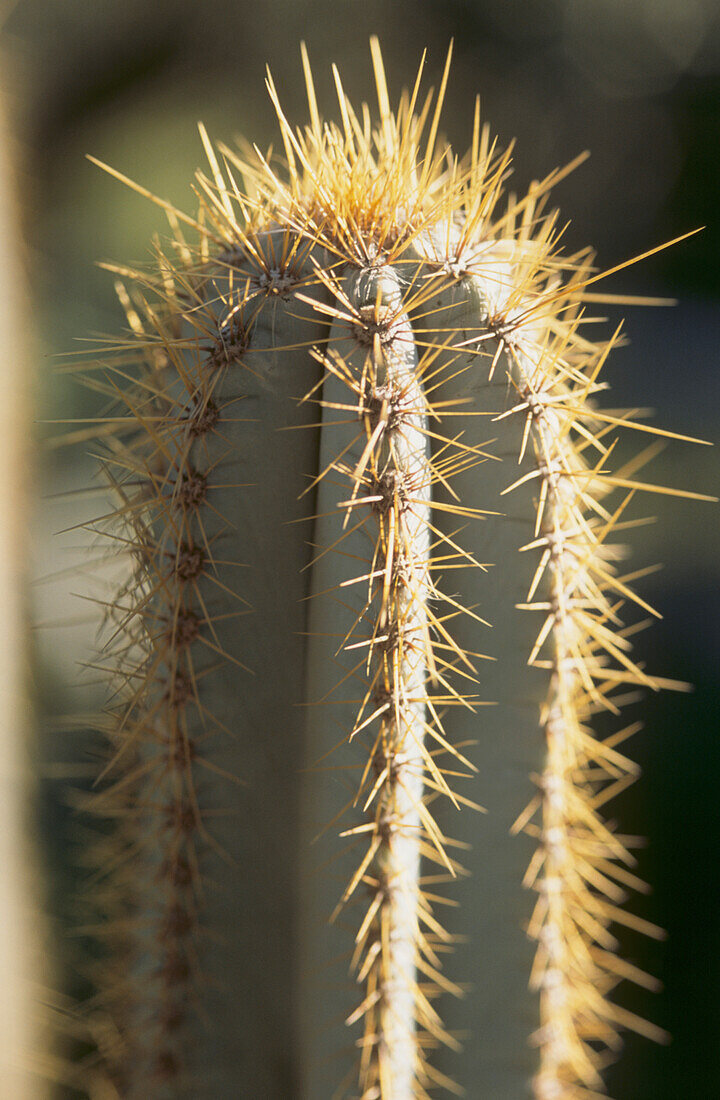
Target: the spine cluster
pixel 162 628
pixel 391 483
pixel 581 869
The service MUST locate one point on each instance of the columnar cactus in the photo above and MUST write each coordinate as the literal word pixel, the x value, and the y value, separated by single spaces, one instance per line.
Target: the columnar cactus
pixel 23 939
pixel 359 375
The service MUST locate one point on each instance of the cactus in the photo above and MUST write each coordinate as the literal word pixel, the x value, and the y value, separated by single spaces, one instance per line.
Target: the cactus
pixel 25 1047
pixel 358 428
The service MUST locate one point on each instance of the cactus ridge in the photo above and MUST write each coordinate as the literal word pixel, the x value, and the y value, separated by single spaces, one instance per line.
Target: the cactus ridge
pixel 357 252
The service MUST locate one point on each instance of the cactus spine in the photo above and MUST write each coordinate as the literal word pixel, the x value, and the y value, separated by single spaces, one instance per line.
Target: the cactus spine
pixel 369 291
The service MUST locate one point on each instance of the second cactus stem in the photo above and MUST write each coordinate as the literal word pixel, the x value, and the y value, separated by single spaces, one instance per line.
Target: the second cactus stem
pixel 389 485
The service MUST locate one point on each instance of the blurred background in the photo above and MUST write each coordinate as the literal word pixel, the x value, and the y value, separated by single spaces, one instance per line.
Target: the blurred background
pixel 637 82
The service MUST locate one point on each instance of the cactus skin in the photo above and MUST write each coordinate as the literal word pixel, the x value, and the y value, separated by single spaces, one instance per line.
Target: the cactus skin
pixel 26 1049
pixel 207 478
pixel 370 292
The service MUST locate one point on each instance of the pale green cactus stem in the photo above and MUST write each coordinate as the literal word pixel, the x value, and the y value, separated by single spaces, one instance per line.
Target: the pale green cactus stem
pixel 221 478
pixel 402 477
pixel 500 1056
pixel 384 628
pixel 26 1054
pixel 495 958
